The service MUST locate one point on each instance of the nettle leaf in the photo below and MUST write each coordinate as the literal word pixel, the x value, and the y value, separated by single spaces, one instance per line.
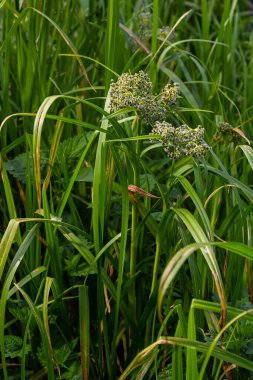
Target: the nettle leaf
pixel 72 147
pixel 13 346
pixel 75 269
pixel 61 353
pixel 19 309
pixel 83 270
pixel 41 357
pixel 85 175
pixel 74 262
pixel 147 182
pixel 17 166
pixel 157 216
pixel 73 373
pixel 166 374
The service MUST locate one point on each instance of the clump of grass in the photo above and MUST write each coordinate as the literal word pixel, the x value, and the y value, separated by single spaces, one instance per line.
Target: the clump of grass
pixel 125 227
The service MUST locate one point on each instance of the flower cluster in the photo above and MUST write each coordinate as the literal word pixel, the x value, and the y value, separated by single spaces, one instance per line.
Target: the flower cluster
pixel 227 132
pixel 144 29
pixel 129 90
pixel 165 34
pixel 144 21
pixel 136 91
pixel 170 93
pixel 181 141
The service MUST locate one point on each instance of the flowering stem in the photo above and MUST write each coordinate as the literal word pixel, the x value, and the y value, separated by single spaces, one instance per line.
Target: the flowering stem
pixel 154 37
pixel 134 243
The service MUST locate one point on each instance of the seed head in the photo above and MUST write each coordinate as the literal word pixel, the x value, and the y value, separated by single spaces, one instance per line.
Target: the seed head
pixel 129 89
pixel 228 133
pixel 181 141
pixel 170 93
pixel 150 109
pixel 136 91
pixel 165 34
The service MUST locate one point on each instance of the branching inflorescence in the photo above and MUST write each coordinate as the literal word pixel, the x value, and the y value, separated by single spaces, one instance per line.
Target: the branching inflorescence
pixel 135 91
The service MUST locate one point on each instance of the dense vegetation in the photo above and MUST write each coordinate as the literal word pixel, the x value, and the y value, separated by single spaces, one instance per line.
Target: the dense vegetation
pixel 126 189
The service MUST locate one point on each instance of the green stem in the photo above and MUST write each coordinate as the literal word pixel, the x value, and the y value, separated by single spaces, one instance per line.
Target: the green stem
pixel 134 243
pixel 84 321
pixel 154 38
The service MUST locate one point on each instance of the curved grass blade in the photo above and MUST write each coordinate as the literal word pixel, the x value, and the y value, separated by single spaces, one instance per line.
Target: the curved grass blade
pixel 6 243
pixel 248 151
pixel 208 253
pixel 172 269
pixel 210 351
pixel 47 287
pixel 92 60
pixel 74 175
pixel 10 275
pixel 216 308
pixel 43 333
pixel 37 132
pixel 2 3
pixel 143 356
pixel 9 198
pixel 36 272
pixel 195 198
pixel 183 254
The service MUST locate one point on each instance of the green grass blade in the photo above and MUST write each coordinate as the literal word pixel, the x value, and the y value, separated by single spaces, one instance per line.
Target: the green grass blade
pixel 6 243
pixel 208 253
pixel 84 321
pixel 248 151
pixel 195 198
pixel 191 355
pixel 36 272
pixel 46 346
pixel 7 283
pixel 218 353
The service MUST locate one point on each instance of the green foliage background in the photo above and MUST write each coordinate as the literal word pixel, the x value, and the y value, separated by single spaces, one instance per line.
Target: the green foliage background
pixel 96 281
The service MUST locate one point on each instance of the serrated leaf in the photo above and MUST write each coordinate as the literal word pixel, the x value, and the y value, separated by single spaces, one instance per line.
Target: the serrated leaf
pixel 19 310
pixel 147 182
pixel 72 148
pixel 85 175
pixel 62 353
pixel 13 346
pixel 83 270
pixel 74 372
pixel 17 166
pixel 157 216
